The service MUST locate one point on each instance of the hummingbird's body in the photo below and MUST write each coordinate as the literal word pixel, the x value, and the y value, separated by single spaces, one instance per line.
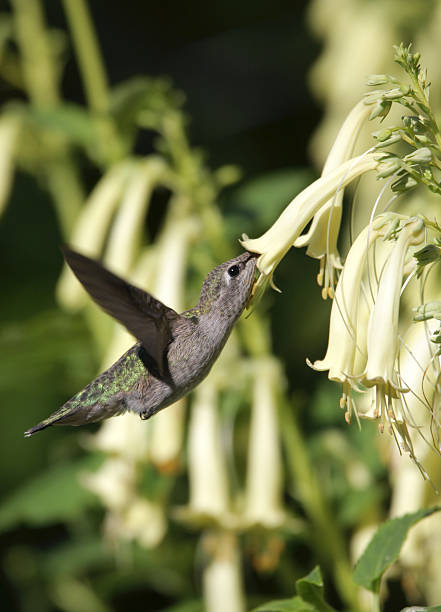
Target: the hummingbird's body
pixel 174 353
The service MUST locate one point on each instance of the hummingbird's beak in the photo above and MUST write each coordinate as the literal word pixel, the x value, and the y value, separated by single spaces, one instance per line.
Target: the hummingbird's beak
pixel 252 292
pixel 251 255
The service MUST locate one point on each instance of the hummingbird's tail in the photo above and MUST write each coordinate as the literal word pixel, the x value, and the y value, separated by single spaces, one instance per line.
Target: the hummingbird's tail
pixel 63 416
pixel 104 397
pixel 90 405
pixel 75 413
pixel 30 432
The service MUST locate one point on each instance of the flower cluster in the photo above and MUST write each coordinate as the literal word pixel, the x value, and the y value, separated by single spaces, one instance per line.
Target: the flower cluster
pixel 366 346
pixel 363 347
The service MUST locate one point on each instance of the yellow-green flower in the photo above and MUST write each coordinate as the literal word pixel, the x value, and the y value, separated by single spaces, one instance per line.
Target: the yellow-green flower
pixel 321 239
pixel 125 233
pixel 209 501
pixel 275 242
pixel 9 139
pixel 91 227
pixel 346 354
pixel 382 341
pixel 142 520
pixel 114 482
pixel 363 333
pixel 263 494
pixel 222 580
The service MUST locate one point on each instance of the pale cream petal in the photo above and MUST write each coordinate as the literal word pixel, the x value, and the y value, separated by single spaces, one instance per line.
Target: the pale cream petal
pixel 279 238
pixel 383 325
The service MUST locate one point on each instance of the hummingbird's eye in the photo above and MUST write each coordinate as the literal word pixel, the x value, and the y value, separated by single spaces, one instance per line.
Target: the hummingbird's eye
pixel 233 270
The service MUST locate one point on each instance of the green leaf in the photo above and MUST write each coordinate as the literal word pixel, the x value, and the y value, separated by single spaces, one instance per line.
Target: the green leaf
pixel 56 495
pixel 37 346
pixel 295 604
pixel 384 548
pixel 70 119
pixel 310 588
pixel 77 556
pixel 309 597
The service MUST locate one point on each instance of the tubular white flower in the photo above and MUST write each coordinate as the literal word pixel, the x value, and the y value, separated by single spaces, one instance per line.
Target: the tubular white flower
pixel 124 437
pixel 140 520
pixel 172 259
pixel 263 495
pixel 143 521
pixel 418 371
pixel 125 233
pixel 113 482
pixel 91 228
pixel 208 481
pixel 167 437
pixel 276 241
pixel 382 339
pixel 321 239
pixel 222 580
pixel 363 334
pixel 346 354
pixel 344 143
pixel 9 132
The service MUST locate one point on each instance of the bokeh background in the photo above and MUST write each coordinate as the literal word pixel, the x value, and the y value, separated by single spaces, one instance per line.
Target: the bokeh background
pixel 266 86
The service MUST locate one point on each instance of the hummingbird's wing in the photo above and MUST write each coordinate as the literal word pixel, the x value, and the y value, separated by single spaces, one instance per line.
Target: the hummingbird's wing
pixel 148 319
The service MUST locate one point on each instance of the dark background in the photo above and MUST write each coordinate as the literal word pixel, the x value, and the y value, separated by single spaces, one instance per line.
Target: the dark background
pixel 243 67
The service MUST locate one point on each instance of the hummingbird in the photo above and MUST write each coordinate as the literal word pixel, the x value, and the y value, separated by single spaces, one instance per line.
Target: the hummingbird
pixel 174 352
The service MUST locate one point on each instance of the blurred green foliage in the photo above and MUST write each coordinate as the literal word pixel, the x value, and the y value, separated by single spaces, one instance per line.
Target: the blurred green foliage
pixel 53 554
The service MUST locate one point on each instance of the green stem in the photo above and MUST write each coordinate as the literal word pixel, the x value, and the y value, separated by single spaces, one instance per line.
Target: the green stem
pixel 325 533
pixel 88 54
pixel 176 138
pixel 94 78
pixel 40 71
pixel 421 179
pixel 66 189
pixel 37 59
pixel 421 96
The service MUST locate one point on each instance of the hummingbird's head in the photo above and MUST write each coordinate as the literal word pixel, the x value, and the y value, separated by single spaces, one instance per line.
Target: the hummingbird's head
pixel 227 288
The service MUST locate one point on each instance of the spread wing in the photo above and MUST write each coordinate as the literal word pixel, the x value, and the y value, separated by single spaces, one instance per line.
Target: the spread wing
pixel 148 319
